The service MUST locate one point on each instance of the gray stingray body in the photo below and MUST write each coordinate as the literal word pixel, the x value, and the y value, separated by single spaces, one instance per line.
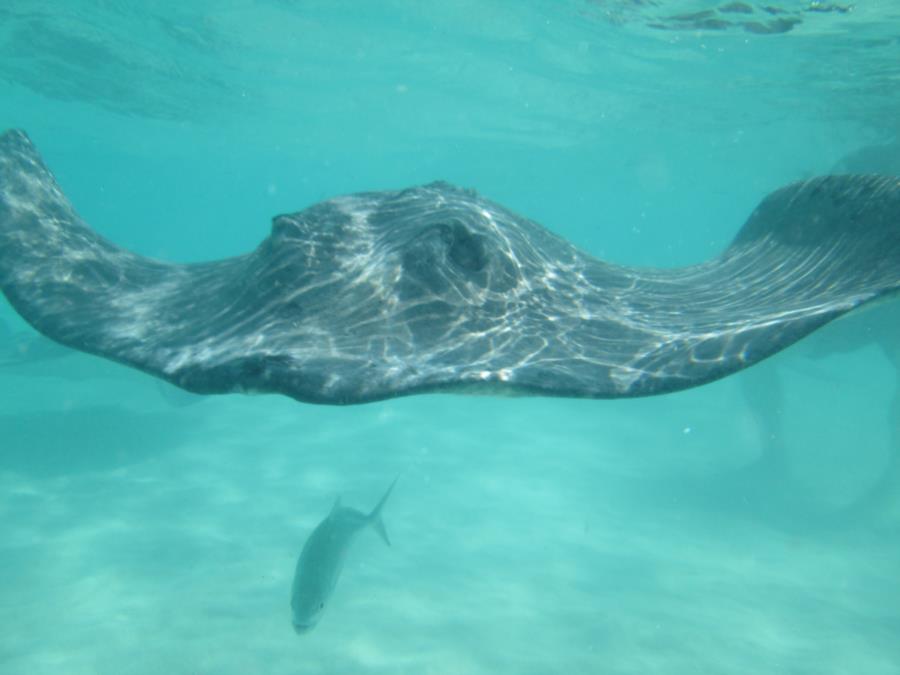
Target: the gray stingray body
pixel 434 288
pixel 322 560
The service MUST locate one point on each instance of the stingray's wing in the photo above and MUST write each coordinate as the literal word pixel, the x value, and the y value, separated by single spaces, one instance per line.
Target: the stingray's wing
pixel 809 253
pixel 384 294
pixel 82 291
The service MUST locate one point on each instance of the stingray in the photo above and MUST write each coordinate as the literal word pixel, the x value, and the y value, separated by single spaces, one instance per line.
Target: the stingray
pixel 437 289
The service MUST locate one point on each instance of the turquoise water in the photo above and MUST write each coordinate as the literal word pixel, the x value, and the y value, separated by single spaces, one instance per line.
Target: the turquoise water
pixel 145 531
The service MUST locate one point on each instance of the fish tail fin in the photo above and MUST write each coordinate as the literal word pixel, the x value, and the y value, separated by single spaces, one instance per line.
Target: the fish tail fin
pixel 375 517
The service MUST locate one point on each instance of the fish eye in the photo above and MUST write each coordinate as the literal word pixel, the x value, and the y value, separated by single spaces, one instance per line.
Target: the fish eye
pixel 321 605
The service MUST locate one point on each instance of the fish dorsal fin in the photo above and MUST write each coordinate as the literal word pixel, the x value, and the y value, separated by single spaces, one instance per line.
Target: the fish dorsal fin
pixel 336 507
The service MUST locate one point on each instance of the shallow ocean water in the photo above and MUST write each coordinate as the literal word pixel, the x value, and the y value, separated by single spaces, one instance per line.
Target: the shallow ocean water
pixel 147 531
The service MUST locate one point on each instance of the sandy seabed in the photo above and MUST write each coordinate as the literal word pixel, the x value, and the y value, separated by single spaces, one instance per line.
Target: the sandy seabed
pixel 150 533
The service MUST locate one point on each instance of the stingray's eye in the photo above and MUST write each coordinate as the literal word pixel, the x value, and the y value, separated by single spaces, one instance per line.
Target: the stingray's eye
pixel 440 254
pixel 465 248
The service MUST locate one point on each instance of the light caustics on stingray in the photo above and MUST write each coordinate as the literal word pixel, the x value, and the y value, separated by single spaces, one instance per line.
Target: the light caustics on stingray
pixel 435 288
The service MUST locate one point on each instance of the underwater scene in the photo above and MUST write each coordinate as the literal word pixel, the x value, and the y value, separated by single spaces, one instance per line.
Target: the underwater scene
pixel 450 337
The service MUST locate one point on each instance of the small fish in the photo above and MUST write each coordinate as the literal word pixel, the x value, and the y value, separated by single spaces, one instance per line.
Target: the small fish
pixel 322 559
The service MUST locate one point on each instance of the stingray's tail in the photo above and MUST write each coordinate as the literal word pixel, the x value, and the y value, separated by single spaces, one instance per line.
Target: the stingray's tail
pixel 375 516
